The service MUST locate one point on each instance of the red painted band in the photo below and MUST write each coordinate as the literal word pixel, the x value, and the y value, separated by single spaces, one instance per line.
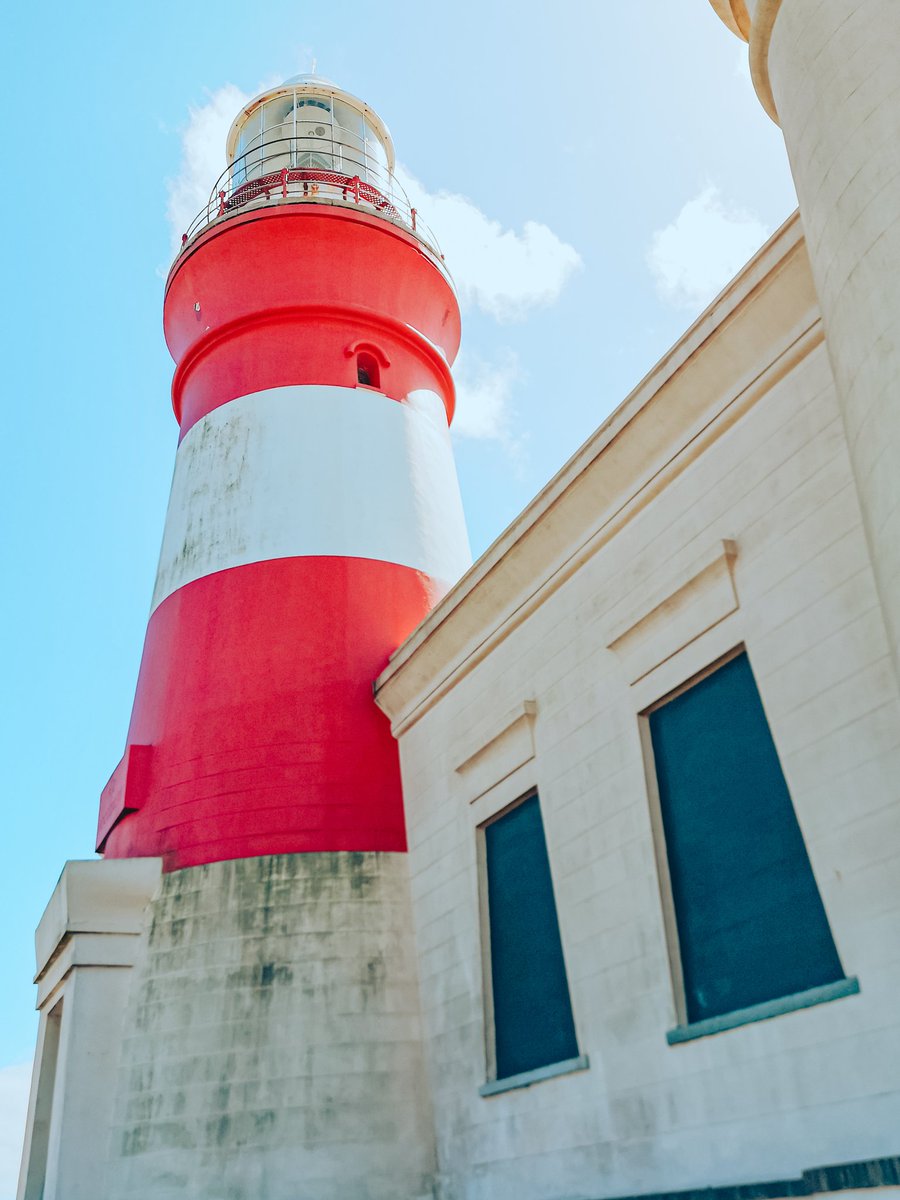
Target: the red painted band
pixel 359 215
pixel 255 693
pixel 272 298
pixel 301 345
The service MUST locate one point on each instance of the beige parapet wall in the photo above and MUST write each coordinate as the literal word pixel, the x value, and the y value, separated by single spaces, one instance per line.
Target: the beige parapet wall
pixel 87 943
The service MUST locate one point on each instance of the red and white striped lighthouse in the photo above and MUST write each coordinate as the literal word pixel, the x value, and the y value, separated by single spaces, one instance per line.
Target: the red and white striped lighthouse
pixel 261 1036
pixel 315 514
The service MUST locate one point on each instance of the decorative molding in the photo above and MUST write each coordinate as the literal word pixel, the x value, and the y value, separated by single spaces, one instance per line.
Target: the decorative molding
pixel 608 483
pixel 94 917
pixel 376 351
pixel 691 602
pixel 733 13
pixel 754 24
pixel 501 749
pixel 760 36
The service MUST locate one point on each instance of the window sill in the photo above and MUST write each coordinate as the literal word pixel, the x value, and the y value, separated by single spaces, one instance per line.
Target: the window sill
pixel 527 1078
pixel 762 1012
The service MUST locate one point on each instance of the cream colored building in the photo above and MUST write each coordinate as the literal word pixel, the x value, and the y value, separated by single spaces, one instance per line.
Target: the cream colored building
pixel 715 510
pixel 740 510
pixel 744 498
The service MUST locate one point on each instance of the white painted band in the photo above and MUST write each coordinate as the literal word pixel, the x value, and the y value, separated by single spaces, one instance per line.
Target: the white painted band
pixel 315 470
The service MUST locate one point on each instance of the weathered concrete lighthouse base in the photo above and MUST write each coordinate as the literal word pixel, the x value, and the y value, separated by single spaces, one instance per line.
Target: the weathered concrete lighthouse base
pixel 272 1047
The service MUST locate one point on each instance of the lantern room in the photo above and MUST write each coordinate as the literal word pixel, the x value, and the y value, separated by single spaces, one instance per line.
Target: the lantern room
pixel 308 123
pixel 308 140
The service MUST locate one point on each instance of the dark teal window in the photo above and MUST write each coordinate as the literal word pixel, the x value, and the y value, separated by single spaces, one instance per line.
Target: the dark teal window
pixel 751 924
pixel 533 1025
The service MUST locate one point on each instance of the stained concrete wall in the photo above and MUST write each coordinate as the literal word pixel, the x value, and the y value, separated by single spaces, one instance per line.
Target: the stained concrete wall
pixel 716 508
pixel 274 1042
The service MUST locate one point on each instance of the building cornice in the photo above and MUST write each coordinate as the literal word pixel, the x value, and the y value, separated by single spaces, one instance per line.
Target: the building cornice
pixel 763 323
pixel 760 36
pixel 733 13
pixel 754 24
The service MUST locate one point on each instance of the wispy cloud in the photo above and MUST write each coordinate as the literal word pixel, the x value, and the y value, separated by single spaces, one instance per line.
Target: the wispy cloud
pixel 483 396
pixel 504 272
pixel 202 156
pixel 485 403
pixel 15 1082
pixel 697 254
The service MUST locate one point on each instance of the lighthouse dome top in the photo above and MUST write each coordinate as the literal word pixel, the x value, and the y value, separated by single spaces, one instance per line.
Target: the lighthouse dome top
pixel 307 141
pixel 321 121
pixel 310 79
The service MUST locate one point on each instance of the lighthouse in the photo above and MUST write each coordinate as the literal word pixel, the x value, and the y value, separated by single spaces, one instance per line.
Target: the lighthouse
pixel 315 514
pixel 254 1023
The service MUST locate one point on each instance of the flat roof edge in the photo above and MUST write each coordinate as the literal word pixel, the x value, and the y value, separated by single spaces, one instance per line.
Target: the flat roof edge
pixel 778 252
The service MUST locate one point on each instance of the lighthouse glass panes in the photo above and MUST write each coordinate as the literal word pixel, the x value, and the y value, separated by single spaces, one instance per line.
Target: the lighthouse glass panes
pixel 299 129
pixel 350 139
pixel 751 924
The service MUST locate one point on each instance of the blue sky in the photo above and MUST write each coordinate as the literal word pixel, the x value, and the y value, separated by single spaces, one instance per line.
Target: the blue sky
pixel 595 172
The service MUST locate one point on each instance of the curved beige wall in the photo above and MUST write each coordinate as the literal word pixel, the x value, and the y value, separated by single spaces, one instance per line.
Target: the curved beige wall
pixel 827 71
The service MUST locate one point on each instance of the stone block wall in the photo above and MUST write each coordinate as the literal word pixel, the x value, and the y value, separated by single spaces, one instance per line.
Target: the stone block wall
pixel 273 1047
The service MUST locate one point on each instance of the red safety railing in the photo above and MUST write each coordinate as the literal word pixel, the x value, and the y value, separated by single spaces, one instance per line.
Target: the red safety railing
pixel 272 174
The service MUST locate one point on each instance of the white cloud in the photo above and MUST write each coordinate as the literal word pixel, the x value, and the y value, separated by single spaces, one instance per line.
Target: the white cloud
pixel 501 271
pixel 15 1082
pixel 202 157
pixel 485 410
pixel 693 258
pixel 483 393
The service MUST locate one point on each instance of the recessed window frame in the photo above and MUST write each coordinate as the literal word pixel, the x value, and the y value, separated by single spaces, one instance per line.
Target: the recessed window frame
pixel 660 849
pixel 580 1062
pixel 685 1029
pixel 46 1103
pixel 370 360
pixel 368 371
